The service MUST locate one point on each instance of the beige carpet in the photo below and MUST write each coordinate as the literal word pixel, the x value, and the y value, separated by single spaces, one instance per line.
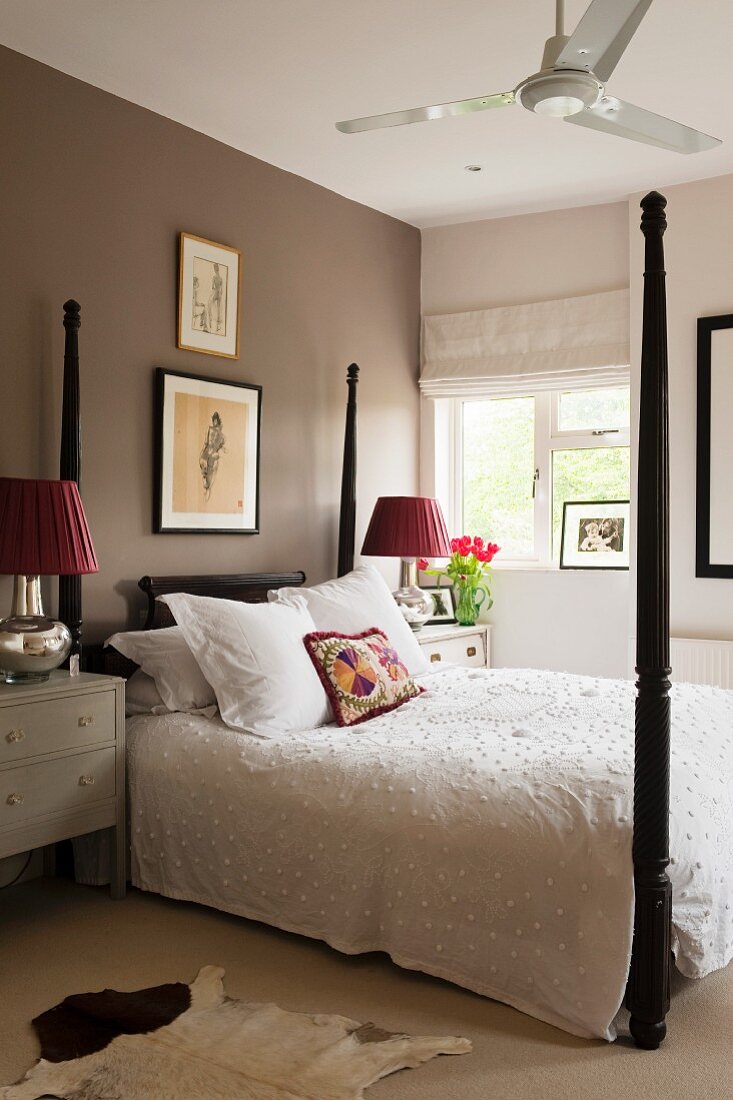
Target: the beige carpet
pixel 57 938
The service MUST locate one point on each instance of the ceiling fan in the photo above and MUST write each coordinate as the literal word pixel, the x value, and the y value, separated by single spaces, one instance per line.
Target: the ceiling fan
pixel 571 85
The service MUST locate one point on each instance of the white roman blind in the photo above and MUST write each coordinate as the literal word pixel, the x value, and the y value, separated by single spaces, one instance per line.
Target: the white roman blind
pixel 567 344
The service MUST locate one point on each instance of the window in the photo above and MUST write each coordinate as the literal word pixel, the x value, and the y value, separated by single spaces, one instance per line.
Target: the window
pixel 498 471
pixel 516 460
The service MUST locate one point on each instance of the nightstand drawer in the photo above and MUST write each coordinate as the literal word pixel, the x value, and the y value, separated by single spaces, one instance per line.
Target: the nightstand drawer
pixel 65 723
pixel 52 786
pixel 467 650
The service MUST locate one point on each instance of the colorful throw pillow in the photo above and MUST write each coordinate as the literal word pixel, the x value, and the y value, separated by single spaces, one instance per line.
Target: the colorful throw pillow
pixel 362 674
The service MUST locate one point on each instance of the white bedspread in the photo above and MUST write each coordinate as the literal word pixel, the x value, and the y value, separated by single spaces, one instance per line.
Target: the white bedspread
pixel 481 833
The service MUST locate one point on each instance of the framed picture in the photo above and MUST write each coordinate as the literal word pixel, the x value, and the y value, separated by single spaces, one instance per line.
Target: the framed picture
pixel 207 455
pixel 714 555
pixel 595 534
pixel 444 608
pixel 209 275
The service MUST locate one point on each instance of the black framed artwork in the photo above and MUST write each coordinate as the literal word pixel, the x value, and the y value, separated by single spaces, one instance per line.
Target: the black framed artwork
pixel 595 534
pixel 714 550
pixel 207 447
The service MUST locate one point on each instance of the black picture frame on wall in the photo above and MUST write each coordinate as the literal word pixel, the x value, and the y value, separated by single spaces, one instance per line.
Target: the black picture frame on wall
pixel 713 466
pixel 207 455
pixel 595 534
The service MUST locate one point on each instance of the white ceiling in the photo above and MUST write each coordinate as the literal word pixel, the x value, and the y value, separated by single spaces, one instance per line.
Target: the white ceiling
pixel 271 77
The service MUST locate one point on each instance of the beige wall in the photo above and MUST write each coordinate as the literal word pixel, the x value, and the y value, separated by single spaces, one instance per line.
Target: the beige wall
pixel 94 192
pixel 699 260
pixel 542 619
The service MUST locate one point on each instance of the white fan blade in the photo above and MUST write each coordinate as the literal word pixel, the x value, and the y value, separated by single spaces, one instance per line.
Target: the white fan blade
pixel 613 116
pixel 602 35
pixel 425 114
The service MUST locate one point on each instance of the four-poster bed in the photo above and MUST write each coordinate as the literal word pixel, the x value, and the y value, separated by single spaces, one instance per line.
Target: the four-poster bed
pixel 648 991
pixel 70 464
pixel 647 995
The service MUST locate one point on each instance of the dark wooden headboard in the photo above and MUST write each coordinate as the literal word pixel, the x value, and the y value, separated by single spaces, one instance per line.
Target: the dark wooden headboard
pixel 244 587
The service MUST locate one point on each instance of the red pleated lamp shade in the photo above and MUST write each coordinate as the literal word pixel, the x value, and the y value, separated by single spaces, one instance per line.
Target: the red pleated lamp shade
pixel 407 527
pixel 43 529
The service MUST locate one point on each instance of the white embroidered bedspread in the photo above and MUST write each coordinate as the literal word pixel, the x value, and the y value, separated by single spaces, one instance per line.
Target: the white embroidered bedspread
pixel 480 833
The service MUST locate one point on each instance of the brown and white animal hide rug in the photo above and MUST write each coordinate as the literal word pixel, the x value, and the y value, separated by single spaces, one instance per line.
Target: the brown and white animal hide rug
pixel 180 1042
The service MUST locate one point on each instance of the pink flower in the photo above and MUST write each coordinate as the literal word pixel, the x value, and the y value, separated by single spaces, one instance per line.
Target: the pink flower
pixel 422 563
pixel 464 545
pixel 491 550
pixel 478 542
pixel 454 546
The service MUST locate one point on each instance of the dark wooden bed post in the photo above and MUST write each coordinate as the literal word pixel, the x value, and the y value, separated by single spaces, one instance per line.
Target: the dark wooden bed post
pixel 70 465
pixel 647 995
pixel 347 515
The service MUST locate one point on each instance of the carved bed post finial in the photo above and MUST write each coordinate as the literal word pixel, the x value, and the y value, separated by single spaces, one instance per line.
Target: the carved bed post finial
pixel 70 464
pixel 648 991
pixel 347 515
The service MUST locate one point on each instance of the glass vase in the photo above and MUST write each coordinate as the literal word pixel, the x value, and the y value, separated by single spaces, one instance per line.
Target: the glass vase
pixel 468 603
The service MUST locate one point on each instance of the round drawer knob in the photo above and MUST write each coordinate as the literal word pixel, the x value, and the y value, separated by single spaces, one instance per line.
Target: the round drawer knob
pixel 86 780
pixel 15 799
pixel 471 651
pixel 14 736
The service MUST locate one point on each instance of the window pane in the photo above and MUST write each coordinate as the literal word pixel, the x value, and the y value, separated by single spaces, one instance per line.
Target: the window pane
pixel 588 409
pixel 593 473
pixel 498 468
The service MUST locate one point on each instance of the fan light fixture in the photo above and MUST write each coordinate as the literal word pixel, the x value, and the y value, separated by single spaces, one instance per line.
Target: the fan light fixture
pixel 559 106
pixel 558 95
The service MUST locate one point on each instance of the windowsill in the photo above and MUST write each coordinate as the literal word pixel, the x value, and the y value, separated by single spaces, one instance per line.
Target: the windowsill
pixel 524 567
pixel 539 567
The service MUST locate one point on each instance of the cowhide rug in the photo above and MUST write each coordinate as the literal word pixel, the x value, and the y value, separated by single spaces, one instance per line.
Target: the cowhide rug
pixel 180 1042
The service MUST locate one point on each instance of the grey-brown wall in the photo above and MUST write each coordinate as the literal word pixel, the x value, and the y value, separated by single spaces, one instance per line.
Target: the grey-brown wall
pixel 94 193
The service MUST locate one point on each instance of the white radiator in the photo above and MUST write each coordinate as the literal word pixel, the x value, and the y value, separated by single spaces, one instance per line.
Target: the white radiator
pixel 702 661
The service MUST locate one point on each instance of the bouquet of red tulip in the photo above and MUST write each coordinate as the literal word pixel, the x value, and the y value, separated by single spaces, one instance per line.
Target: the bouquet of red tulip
pixel 468 570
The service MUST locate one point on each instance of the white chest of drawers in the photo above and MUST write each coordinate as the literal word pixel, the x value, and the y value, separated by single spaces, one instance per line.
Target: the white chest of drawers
pixel 457 645
pixel 62 764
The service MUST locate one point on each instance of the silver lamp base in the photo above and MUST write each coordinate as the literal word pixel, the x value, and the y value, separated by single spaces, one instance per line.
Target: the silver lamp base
pixel 415 604
pixel 31 644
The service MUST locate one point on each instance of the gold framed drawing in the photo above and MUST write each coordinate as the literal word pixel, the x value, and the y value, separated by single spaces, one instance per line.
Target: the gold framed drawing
pixel 209 276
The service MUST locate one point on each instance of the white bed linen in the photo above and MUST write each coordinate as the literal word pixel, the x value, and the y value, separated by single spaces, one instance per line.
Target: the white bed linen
pixel 481 833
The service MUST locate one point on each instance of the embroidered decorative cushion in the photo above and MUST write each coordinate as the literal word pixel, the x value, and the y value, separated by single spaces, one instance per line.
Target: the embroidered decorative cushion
pixel 362 674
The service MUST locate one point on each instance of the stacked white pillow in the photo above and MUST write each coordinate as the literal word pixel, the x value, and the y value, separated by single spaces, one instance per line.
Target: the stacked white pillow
pixel 165 656
pixel 254 658
pixel 142 696
pixel 358 601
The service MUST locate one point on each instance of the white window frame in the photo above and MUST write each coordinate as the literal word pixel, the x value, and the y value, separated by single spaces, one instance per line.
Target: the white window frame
pixel 547 438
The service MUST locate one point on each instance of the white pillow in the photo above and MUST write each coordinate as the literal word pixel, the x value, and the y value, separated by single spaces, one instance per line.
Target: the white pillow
pixel 164 655
pixel 253 656
pixel 141 694
pixel 356 602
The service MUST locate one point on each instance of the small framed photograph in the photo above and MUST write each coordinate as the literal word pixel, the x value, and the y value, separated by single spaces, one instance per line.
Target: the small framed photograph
pixel 207 455
pixel 209 275
pixel 595 534
pixel 444 608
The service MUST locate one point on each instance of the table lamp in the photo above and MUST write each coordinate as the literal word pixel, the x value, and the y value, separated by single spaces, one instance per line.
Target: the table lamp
pixel 43 530
pixel 408 528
